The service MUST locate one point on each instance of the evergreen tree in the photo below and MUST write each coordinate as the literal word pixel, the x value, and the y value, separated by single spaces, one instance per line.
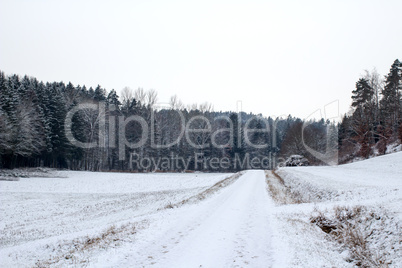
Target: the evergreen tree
pixel 391 101
pixel 363 94
pixel 113 98
pixel 237 152
pixel 99 94
pixel 364 116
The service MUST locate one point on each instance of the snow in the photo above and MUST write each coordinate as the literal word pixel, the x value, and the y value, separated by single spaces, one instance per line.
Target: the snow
pixel 119 219
pixel 97 182
pixel 393 148
pixel 375 179
pixel 40 211
pixel 375 184
pixel 229 229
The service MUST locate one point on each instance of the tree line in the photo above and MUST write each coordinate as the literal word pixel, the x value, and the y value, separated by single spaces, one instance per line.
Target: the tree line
pixel 375 118
pixel 33 131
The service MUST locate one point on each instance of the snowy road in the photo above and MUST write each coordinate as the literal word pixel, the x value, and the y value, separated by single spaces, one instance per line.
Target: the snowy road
pixel 231 229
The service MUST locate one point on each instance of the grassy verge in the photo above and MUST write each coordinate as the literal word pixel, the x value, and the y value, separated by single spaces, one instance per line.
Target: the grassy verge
pixel 280 192
pixel 366 235
pixel 76 252
pixel 208 192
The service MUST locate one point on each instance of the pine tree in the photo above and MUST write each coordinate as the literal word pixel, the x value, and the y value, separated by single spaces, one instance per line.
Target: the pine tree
pixel 113 99
pixel 238 150
pixel 99 94
pixel 391 101
pixel 363 94
pixel 57 115
pixel 10 97
pixel 364 116
pixel 71 95
pixel 5 124
pixel 258 138
pixel 28 132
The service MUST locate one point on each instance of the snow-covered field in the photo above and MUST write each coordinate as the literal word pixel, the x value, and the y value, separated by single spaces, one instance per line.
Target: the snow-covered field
pixel 373 186
pixel 36 212
pixel 259 219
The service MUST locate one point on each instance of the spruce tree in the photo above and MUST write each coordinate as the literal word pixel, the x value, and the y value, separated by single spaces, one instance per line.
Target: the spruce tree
pixel 391 102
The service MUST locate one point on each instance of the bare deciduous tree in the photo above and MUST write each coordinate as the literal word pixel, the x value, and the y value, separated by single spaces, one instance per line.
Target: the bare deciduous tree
pixel 140 95
pixel 151 97
pixel 175 103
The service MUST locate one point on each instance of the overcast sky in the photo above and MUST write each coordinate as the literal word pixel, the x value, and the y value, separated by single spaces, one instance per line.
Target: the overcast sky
pixel 277 57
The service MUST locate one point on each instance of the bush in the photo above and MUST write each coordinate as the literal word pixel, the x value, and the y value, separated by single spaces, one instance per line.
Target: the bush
pixel 296 161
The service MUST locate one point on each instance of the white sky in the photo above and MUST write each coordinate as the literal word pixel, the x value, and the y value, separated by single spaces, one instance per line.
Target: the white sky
pixel 277 57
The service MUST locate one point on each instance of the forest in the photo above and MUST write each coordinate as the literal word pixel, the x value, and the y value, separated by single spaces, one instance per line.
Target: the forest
pixel 106 129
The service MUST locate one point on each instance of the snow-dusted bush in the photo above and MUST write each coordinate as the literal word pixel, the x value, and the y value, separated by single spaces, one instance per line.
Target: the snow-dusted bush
pixel 296 161
pixel 370 236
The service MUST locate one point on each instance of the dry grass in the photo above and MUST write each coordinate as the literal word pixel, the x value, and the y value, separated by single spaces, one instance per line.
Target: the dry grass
pixel 9 179
pixel 74 252
pixel 278 177
pixel 208 192
pixel 345 226
pixel 280 192
pixel 38 172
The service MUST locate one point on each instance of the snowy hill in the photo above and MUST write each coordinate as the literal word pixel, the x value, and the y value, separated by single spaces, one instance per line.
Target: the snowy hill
pixel 368 192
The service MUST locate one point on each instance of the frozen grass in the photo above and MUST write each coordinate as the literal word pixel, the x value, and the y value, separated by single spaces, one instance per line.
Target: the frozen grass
pixel 76 252
pixel 208 192
pixel 280 193
pixel 369 235
pixel 9 179
pixel 28 173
